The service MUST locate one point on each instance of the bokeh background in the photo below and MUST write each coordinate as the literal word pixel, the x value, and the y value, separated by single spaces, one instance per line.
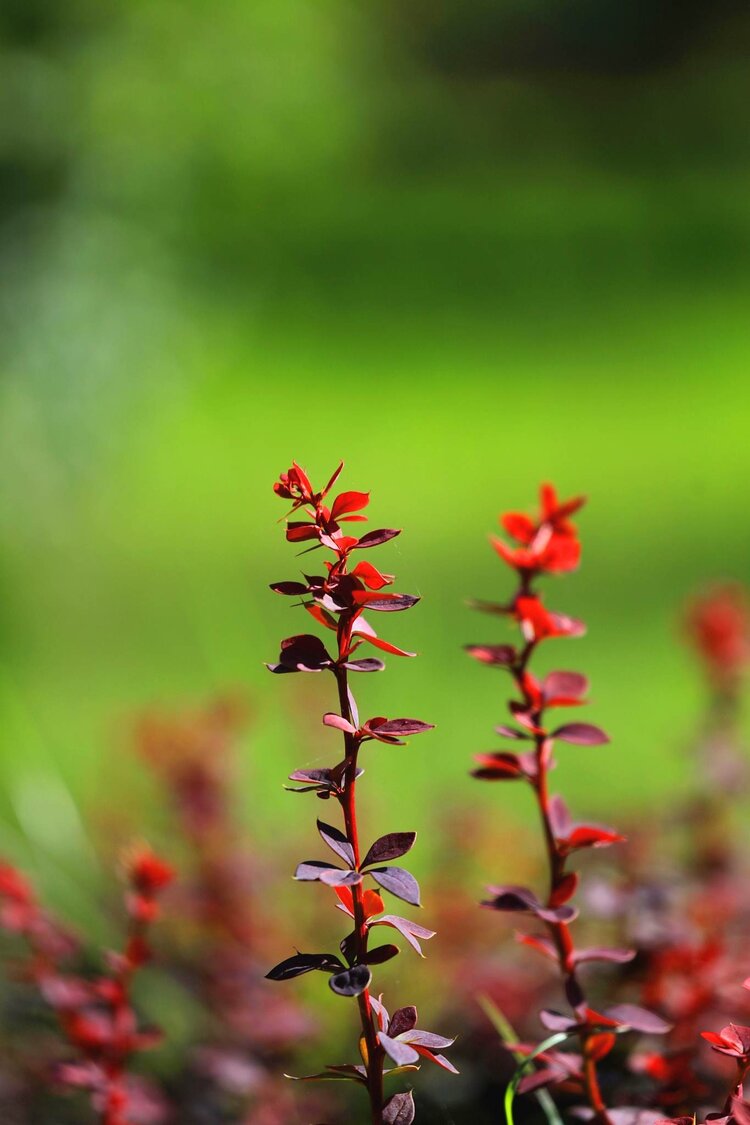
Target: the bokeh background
pixel 465 247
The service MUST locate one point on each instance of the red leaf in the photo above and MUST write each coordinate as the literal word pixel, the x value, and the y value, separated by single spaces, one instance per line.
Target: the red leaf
pixel 347 502
pixel 371 576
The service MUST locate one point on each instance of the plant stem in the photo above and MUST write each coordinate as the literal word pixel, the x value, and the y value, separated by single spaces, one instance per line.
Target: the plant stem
pixel 375 1054
pixel 559 931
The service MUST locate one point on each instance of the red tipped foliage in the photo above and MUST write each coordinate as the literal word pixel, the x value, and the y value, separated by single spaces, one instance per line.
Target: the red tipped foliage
pixel 338 600
pixel 547 544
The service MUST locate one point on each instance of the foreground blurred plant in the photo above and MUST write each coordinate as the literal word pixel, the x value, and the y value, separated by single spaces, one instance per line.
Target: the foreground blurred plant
pixel 96 1016
pixel 337 600
pixel 548 544
pixel 220 932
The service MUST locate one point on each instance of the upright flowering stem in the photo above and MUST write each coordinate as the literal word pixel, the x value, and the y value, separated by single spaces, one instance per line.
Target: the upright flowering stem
pixel 549 545
pixel 337 601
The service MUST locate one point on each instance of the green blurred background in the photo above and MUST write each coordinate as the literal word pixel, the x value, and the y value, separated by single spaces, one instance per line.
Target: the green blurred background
pixel 466 247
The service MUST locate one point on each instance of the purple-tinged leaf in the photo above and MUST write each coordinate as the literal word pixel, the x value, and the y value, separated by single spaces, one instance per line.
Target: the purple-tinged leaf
pixel 392 603
pixel 399 882
pixel 404 727
pixel 353 709
pixel 289 588
pixel 322 781
pixel 337 842
pixel 389 847
pixel 304 963
pixel 512 732
pixel 636 1115
pixel 427 1039
pixel 601 953
pixel 570 686
pixel 559 817
pixel 368 664
pixel 401 1053
pixel 581 734
pixel 403 1019
pixel 331 719
pixel 399 1109
pixel 556 1021
pixel 516 899
pixel 381 954
pixel 336 878
pixel 639 1019
pixel 375 538
pixel 408 929
pixel 380 1011
pixel 499 656
pixel 351 982
pixel 538 1079
pixel 314 870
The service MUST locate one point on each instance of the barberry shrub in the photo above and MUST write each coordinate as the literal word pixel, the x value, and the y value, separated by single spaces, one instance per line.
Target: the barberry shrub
pixel 548 544
pixel 337 600
pixel 96 1016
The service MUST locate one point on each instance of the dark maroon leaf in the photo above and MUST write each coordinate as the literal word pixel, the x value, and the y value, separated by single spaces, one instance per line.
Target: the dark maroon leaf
pixel 368 664
pixel 398 881
pixel 304 963
pixel 497 655
pixel 381 954
pixel 298 532
pixel 581 734
pixel 522 900
pixel 401 1053
pixel 375 538
pixel 499 767
pixel 399 1110
pixel 403 1019
pixel 640 1019
pixel 337 842
pixel 289 588
pixel 404 727
pixel 303 653
pixel 389 847
pixel 351 982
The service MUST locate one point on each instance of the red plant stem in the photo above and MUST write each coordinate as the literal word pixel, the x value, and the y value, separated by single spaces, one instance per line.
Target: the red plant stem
pixel 736 1085
pixel 375 1053
pixel 559 931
